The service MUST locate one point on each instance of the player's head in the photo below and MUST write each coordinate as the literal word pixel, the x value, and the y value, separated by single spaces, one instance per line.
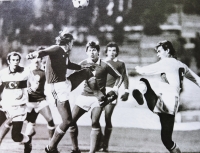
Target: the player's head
pixel 112 50
pixel 13 59
pixel 92 49
pixel 167 47
pixel 64 38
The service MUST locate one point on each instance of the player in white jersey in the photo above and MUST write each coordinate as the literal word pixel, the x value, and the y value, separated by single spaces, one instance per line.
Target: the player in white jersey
pixel 166 102
pixel 112 51
pixel 87 100
pixel 14 97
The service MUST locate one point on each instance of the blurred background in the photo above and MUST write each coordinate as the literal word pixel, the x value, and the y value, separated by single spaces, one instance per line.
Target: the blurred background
pixel 136 25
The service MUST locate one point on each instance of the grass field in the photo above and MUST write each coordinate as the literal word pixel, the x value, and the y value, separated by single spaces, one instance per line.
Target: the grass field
pixel 126 138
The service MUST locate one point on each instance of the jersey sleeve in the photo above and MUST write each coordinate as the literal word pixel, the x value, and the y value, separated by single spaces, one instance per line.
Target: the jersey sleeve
pixel 48 51
pixel 189 74
pixel 124 74
pixel 151 69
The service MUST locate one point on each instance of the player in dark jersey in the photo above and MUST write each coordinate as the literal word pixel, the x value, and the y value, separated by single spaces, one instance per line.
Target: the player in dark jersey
pixel 112 51
pixel 87 100
pixel 56 69
pixel 37 99
pixel 166 102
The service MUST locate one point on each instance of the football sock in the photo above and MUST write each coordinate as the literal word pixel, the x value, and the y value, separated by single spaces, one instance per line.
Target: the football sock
pixel 51 131
pixel 30 129
pixel 57 136
pixel 107 135
pixel 94 137
pixel 73 130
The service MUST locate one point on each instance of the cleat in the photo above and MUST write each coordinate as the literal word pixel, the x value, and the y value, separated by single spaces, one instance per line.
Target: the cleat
pixel 75 151
pixel 103 148
pixel 51 151
pixel 28 145
pixel 138 96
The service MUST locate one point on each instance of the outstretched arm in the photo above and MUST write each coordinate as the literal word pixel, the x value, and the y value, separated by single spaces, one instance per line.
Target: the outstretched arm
pixel 44 52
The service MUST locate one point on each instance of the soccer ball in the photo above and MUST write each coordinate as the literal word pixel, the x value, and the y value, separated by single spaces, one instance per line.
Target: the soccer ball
pixel 81 4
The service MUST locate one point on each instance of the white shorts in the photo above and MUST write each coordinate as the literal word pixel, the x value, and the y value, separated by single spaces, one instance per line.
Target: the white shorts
pixel 168 102
pixel 18 113
pixel 108 89
pixel 61 90
pixel 87 102
pixel 37 106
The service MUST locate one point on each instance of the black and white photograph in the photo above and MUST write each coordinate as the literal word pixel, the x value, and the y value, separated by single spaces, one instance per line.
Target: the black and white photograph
pixel 99 76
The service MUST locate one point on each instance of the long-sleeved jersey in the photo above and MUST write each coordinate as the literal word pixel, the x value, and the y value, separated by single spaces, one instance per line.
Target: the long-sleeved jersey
pixel 57 63
pixel 173 70
pixel 121 68
pixel 15 86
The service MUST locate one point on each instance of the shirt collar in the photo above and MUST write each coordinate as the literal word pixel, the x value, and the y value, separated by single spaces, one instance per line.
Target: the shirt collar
pixel 18 69
pixel 90 61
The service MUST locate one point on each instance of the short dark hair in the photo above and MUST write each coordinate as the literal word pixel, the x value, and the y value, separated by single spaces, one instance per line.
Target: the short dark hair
pixel 64 39
pixel 112 44
pixel 14 54
pixel 93 45
pixel 167 45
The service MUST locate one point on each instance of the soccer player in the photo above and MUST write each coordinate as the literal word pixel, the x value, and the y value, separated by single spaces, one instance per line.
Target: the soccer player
pixel 56 69
pixel 112 51
pixel 14 97
pixel 165 104
pixel 37 99
pixel 88 100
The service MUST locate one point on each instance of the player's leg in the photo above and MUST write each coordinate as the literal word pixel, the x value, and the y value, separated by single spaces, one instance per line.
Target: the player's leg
pixel 77 112
pixel 46 113
pixel 150 96
pixel 96 128
pixel 30 126
pixel 167 126
pixel 85 74
pixel 78 77
pixel 108 128
pixel 65 113
pixel 17 136
pixel 2 117
pixel 5 128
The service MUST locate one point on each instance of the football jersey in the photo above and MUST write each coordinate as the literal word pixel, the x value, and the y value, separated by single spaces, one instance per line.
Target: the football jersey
pixel 36 82
pixel 173 71
pixel 57 64
pixel 15 86
pixel 102 69
pixel 120 67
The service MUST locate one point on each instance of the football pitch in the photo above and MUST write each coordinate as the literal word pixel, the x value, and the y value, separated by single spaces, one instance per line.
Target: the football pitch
pixel 135 128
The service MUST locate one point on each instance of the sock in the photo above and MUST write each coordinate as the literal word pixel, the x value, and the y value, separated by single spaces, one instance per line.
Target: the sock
pixel 30 129
pixel 57 136
pixel 51 131
pixel 107 134
pixel 4 130
pixel 94 137
pixel 73 130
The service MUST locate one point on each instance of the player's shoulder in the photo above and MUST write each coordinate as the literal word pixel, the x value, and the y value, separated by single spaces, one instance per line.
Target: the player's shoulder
pixel 83 62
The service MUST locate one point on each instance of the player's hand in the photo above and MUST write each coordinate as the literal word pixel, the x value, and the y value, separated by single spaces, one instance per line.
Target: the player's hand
pixel 111 96
pixel 32 55
pixel 124 97
pixel 30 91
